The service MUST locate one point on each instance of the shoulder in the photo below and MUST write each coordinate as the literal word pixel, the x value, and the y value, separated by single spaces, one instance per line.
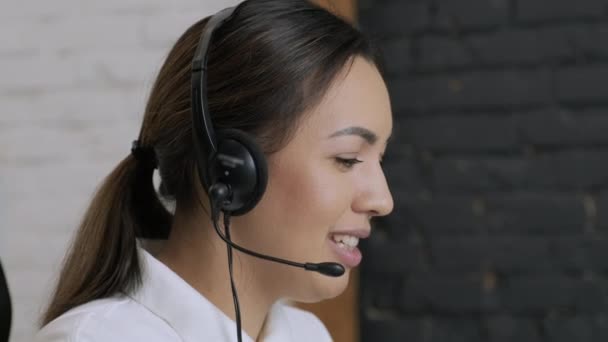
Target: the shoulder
pixel 110 319
pixel 303 324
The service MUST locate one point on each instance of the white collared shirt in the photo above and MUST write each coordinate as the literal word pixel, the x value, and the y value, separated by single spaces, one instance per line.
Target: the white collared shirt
pixel 166 308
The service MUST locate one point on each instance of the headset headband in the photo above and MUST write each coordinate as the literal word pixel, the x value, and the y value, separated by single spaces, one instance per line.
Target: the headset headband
pixel 203 127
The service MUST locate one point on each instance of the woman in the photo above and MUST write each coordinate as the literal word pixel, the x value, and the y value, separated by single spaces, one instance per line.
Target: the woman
pixel 304 86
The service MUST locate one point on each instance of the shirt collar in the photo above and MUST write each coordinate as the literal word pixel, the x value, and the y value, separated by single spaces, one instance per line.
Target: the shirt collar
pixel 192 315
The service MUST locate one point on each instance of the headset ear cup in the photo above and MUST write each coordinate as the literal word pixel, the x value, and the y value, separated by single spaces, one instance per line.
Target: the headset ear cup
pixel 241 165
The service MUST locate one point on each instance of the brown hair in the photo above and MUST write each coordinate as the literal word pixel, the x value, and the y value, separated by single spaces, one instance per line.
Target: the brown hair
pixel 267 66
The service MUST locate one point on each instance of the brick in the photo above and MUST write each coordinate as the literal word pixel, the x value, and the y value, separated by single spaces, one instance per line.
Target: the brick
pixel 404 174
pixel 538 293
pixel 577 41
pixel 440 52
pixel 455 133
pixel 534 213
pixel 583 328
pixel 162 29
pixel 393 256
pixel 459 254
pixel 456 330
pixel 588 39
pixel 560 127
pixel 396 18
pixel 443 214
pixel 582 84
pixel 445 295
pixel 385 300
pixel 575 252
pixel 504 47
pixel 473 90
pixel 601 210
pixel 506 329
pixel 519 254
pixel 569 171
pixel 135 8
pixel 96 33
pixel 405 180
pixel 598 254
pixel 521 46
pixel 43 74
pixel 393 330
pixel 95 71
pixel 455 174
pixel 537 10
pixel 45 153
pixel 104 106
pixel 505 254
pixel 395 225
pixel 149 8
pixel 471 14
pixel 396 54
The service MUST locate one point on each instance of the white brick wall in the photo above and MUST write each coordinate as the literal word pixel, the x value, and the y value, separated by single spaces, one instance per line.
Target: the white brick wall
pixel 73 80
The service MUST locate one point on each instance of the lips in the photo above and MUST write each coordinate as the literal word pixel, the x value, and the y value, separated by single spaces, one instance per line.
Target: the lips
pixel 360 233
pixel 344 244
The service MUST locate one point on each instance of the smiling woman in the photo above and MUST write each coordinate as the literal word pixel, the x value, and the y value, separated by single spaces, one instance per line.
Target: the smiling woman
pixel 297 91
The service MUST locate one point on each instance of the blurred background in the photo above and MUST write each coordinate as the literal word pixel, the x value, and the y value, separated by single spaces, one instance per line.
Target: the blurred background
pixel 498 166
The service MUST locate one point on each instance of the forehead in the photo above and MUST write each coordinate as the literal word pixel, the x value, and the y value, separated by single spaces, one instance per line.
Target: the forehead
pixel 358 97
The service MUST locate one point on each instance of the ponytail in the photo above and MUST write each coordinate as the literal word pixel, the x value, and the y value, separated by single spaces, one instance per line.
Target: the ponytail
pixel 103 258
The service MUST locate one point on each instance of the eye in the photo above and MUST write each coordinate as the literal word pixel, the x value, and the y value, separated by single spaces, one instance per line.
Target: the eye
pixel 348 163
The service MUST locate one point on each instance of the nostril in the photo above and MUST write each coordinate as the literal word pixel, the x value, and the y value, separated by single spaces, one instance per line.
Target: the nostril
pixel 373 213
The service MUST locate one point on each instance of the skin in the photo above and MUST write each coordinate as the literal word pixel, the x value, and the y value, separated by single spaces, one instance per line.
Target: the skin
pixel 311 192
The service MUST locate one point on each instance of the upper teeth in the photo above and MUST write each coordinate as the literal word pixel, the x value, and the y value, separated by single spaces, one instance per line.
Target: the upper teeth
pixel 348 240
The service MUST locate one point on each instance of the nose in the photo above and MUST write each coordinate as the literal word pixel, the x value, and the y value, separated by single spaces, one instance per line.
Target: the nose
pixel 374 197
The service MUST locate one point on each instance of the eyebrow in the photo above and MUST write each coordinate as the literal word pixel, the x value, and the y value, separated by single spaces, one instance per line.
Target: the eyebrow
pixel 364 133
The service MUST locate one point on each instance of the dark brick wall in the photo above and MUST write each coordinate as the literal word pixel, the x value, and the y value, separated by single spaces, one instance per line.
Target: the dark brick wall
pixel 499 170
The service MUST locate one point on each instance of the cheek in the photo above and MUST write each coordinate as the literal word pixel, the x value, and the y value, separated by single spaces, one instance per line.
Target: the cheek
pixel 314 195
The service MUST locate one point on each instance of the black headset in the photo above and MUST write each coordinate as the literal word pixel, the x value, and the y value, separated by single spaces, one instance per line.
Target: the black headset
pixel 232 167
pixel 230 157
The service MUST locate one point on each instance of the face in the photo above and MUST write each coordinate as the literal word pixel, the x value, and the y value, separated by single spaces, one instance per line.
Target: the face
pixel 323 188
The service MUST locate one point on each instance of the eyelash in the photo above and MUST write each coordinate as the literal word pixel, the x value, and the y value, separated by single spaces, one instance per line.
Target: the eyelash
pixel 348 162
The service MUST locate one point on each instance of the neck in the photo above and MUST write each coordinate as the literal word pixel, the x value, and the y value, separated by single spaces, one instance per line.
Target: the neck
pixel 199 257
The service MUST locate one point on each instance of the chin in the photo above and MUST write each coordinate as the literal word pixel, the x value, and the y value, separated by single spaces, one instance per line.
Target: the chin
pixel 323 287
